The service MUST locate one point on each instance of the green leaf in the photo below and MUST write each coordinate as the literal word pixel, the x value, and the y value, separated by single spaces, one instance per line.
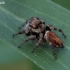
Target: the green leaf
pixel 14 12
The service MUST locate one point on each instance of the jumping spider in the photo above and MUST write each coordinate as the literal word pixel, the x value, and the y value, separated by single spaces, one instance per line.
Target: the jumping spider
pixel 35 28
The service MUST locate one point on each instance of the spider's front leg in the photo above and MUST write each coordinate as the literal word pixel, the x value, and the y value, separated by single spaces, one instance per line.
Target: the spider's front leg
pixel 38 43
pixel 31 37
pixel 20 32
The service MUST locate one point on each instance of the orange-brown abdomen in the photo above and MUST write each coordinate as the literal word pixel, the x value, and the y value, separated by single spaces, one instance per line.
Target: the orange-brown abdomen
pixel 53 39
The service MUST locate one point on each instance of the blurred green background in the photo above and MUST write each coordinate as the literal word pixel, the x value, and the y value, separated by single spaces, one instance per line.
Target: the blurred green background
pixel 13 60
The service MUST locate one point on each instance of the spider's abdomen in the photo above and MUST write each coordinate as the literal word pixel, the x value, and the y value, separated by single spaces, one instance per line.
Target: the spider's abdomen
pixel 53 39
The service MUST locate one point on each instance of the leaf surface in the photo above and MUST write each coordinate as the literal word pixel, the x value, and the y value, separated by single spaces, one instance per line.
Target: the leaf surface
pixel 14 12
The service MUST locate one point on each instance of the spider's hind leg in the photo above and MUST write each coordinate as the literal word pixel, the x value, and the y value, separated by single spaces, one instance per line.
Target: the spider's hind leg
pixel 53 51
pixel 54 28
pixel 60 31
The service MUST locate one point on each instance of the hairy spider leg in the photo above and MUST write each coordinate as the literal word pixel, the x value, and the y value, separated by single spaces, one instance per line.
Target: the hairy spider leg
pixel 53 51
pixel 38 43
pixel 54 28
pixel 20 32
pixel 60 31
pixel 31 37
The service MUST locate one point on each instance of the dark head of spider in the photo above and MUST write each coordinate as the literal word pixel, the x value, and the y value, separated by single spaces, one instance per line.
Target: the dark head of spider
pixel 35 29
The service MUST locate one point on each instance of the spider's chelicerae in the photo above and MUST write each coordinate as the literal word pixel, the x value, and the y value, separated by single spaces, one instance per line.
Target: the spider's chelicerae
pixel 35 28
